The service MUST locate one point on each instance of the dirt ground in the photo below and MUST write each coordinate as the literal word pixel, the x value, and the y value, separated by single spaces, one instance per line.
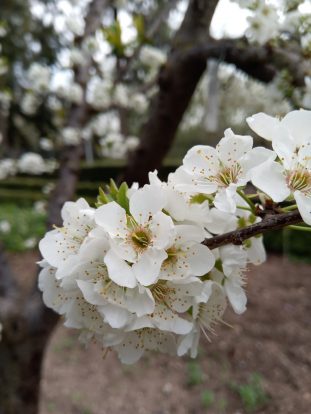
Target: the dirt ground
pixel 271 339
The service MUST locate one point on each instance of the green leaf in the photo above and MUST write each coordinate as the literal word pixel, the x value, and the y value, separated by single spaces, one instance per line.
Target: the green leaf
pixel 122 197
pixel 139 24
pixel 102 198
pixel 113 36
pixel 113 189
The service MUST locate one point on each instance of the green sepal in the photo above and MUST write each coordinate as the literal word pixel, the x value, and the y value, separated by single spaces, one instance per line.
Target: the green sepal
pixel 122 198
pixel 113 193
pixel 102 198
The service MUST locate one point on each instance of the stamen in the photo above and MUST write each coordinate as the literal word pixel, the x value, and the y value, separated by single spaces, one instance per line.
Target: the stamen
pixel 227 175
pixel 299 180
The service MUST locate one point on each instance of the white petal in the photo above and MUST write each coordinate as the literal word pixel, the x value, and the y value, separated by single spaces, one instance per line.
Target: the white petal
pixel 94 249
pixel 264 125
pixel 233 147
pixel 188 233
pixel 89 294
pixel 220 222
pixel 201 160
pixel 233 258
pixel 304 206
pixel 285 147
pixel 189 342
pixel 167 320
pixel 51 248
pixel 53 296
pixel 236 296
pixel 124 249
pixel 200 259
pixel 112 218
pixel 176 205
pixel 119 271
pixel 298 123
pixel 161 227
pixel 225 200
pixel 130 349
pixel 145 202
pixel 256 157
pixel 140 301
pixel 147 269
pixel 304 155
pixel 72 208
pixel 113 315
pixel 256 253
pixel 269 178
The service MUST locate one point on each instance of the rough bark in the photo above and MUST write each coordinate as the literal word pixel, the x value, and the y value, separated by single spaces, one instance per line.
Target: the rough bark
pixel 177 81
pixel 270 222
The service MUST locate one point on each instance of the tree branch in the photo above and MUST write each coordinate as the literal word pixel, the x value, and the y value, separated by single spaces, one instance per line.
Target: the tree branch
pixel 260 62
pixel 177 82
pixel 270 222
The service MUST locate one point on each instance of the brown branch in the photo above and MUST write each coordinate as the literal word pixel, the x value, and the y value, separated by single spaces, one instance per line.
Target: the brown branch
pixel 260 62
pixel 270 222
pixel 177 82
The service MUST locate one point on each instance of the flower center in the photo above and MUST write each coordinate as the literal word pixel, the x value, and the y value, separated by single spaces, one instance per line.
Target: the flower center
pixel 299 180
pixel 141 238
pixel 160 291
pixel 227 175
pixel 171 256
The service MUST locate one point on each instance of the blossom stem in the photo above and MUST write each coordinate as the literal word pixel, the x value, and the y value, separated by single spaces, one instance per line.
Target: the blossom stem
pixel 290 208
pixel 247 200
pixel 245 208
pixel 301 228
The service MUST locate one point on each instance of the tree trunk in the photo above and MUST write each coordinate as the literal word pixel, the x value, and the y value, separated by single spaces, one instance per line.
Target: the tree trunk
pixel 21 355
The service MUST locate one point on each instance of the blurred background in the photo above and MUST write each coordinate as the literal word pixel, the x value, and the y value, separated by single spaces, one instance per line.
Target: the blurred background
pixel 87 80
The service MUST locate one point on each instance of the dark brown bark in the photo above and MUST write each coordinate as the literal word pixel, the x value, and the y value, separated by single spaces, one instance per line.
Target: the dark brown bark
pixel 270 222
pixel 177 81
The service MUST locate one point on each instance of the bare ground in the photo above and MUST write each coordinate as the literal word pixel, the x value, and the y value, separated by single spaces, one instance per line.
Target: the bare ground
pixel 272 339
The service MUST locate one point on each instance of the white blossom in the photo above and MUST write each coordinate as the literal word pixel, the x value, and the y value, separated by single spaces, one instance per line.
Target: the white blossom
pixel 31 163
pixel 264 23
pixel 46 144
pixel 151 56
pixel 291 140
pixel 39 77
pixel 5 226
pixel 224 169
pixel 7 167
pixel 70 136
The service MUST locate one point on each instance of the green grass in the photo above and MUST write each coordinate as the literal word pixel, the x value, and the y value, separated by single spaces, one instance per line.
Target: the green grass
pixel 25 224
pixel 207 398
pixel 195 375
pixel 252 393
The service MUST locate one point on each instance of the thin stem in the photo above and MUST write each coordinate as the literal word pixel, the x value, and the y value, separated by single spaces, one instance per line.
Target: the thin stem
pixel 247 200
pixel 245 208
pixel 289 208
pixel 301 228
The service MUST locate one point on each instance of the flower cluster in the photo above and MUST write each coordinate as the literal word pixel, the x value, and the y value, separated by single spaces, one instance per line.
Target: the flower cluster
pixel 28 163
pixel 134 272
